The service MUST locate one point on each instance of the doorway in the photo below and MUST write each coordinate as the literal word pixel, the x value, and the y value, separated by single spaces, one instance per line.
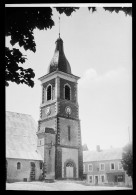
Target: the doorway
pixel 69 170
pixel 32 171
pixel 96 179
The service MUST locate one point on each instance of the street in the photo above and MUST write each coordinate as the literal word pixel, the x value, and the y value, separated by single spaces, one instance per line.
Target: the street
pixel 59 186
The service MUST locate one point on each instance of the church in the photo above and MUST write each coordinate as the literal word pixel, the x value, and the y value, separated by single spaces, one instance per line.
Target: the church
pixel 56 150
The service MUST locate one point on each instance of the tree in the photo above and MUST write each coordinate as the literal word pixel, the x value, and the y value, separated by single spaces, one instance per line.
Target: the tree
pixel 127 160
pixel 19 24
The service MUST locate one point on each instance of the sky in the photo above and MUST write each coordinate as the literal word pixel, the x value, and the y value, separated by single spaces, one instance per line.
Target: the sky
pixel 98 47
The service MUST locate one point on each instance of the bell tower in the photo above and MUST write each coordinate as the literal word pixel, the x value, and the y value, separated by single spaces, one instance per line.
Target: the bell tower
pixel 59 133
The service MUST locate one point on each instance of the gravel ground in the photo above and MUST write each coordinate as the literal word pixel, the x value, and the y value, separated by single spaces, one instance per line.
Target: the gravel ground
pixel 59 186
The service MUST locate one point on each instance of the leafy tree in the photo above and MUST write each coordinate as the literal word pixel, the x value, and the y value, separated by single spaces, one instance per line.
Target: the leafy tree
pixel 19 24
pixel 127 160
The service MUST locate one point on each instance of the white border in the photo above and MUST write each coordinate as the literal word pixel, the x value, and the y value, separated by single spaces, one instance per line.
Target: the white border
pixel 71 5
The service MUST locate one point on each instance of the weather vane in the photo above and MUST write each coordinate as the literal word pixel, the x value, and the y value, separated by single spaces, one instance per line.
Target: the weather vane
pixel 59 26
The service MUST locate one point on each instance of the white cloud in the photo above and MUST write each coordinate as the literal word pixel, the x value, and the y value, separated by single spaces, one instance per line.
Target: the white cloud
pixel 115 76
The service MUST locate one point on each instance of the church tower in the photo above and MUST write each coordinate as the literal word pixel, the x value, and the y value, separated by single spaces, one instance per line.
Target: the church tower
pixel 59 134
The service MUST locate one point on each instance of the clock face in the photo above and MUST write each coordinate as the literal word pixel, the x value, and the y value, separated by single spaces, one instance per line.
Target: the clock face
pixel 48 110
pixel 68 110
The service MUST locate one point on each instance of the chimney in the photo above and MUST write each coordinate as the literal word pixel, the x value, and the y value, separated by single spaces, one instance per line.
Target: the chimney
pixel 98 148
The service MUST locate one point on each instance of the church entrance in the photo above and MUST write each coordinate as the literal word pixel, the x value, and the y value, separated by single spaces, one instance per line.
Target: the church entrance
pixel 69 170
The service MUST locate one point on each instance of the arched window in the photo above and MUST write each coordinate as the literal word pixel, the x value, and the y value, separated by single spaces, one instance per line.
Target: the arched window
pixel 18 165
pixel 67 92
pixel 49 92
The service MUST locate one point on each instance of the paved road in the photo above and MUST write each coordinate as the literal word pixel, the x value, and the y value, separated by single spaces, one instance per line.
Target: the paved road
pixel 59 186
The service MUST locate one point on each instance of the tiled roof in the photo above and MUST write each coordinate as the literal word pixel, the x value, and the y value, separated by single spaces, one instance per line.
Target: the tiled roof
pixel 111 154
pixel 21 139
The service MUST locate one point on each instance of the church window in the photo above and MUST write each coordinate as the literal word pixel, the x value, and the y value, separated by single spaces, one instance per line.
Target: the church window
pixel 41 165
pixel 18 165
pixel 67 92
pixel 69 133
pixel 49 92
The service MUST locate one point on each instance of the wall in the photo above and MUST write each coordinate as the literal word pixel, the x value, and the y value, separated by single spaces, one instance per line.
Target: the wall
pixel 63 127
pixel 14 175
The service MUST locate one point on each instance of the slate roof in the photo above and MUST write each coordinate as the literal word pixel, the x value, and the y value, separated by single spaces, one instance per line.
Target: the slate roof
pixel 110 154
pixel 59 61
pixel 21 139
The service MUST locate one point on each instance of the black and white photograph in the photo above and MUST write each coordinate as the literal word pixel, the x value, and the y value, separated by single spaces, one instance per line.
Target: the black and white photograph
pixel 68 94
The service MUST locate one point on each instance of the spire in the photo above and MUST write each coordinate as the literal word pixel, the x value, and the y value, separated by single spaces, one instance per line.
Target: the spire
pixel 59 27
pixel 59 62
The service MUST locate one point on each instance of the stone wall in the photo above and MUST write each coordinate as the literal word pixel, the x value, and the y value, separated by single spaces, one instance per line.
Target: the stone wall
pixel 63 128
pixel 14 174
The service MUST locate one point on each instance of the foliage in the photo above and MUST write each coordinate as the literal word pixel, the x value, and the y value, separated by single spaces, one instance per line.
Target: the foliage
pixel 15 73
pixel 19 24
pixel 127 159
pixel 126 10
pixel 67 10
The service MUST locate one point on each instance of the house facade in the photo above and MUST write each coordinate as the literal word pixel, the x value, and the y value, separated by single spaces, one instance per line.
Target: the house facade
pixel 104 167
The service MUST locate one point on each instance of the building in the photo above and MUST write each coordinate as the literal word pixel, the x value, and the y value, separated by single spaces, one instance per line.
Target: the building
pixel 23 161
pixel 53 150
pixel 104 167
pixel 59 134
